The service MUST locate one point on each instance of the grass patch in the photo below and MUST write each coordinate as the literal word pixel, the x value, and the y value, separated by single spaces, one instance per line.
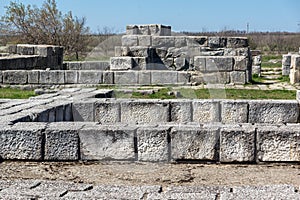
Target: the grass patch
pixel 11 93
pixel 266 58
pixel 270 65
pixel 284 78
pixel 257 79
pixel 161 94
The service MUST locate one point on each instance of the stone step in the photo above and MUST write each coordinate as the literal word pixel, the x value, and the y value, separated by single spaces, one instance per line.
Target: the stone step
pixel 271 77
pixel 274 69
pixel 271 73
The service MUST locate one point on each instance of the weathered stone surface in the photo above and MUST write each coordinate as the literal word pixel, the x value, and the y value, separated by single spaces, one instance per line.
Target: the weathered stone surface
pixel 90 77
pixel 256 70
pixel 141 51
pixel 183 77
pixel 237 144
pixel 107 111
pixel 286 69
pixel 84 110
pixel 217 63
pixel 121 63
pixel 108 77
pixel 238 77
pixel 194 143
pixel 286 59
pixel 181 111
pixel 144 111
pixel 71 76
pixel 196 41
pixel 295 69
pixel 237 42
pixel 159 30
pixel 163 41
pixel 153 144
pixel 22 141
pixel 216 78
pixel 180 64
pixel 200 63
pixel 107 143
pixel 15 77
pixel 180 41
pixel 126 77
pixel 129 40
pixel 139 63
pixel 144 78
pixel 217 42
pixel 163 77
pixel 121 51
pixel 240 63
pixel 33 76
pixel 237 52
pixel 278 144
pixel 52 77
pixel 144 40
pixel 132 30
pixel 205 111
pixel 234 112
pixel 273 111
pixel 62 141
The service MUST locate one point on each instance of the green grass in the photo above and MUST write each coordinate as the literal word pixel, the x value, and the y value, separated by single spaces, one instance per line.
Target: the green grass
pixel 284 79
pixel 266 58
pixel 257 79
pixel 10 93
pixel 270 65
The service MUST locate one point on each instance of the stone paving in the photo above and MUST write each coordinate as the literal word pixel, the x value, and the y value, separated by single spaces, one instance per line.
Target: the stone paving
pixel 41 189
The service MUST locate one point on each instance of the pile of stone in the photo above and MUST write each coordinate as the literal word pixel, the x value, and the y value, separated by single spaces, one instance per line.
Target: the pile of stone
pixel 209 59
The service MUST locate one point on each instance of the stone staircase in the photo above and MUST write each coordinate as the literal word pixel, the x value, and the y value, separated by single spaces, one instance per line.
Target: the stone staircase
pixel 271 75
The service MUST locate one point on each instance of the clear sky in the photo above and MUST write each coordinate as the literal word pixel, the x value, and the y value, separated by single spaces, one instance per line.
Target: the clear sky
pixel 184 15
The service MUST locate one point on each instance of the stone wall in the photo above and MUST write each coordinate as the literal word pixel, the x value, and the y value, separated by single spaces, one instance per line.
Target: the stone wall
pixel 29 57
pixel 291 67
pixel 226 58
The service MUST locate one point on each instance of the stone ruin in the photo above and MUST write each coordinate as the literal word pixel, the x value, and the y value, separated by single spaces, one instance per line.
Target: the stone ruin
pixel 291 66
pixel 220 60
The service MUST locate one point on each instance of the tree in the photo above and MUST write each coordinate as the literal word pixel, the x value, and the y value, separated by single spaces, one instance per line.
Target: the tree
pixel 45 25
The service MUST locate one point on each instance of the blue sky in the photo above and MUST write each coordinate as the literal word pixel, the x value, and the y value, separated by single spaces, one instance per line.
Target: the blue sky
pixel 184 15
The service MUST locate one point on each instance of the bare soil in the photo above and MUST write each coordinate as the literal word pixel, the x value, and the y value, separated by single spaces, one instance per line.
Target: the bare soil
pixel 124 173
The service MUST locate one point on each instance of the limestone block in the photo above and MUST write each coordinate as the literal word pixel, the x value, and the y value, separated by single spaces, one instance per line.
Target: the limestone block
pixel 121 63
pixel 12 49
pixel 153 144
pixel 168 63
pixel 22 142
pixel 95 65
pixel 207 51
pixel 163 41
pixel 126 77
pixel 132 30
pixel 107 111
pixel 196 41
pixel 43 50
pixel 278 144
pixel 217 42
pixel 144 78
pixel 83 111
pixel 107 143
pixel 159 30
pixel 180 64
pixel 144 40
pixel 90 77
pixel 108 77
pixel 15 77
pixel 200 63
pixel 121 51
pixel 273 111
pixel 240 63
pixel 217 63
pixel 129 40
pixel 33 76
pixel 237 52
pixel 144 111
pixel 184 77
pixel 181 111
pixel 234 112
pixel 74 65
pixel 216 78
pixel 174 52
pixel 180 41
pixel 144 30
pixel 237 144
pixel 24 49
pixel 238 77
pixel 71 76
pixel 162 52
pixel 237 42
pixel 256 60
pixel 140 51
pixel 52 77
pixel 163 77
pixel 295 69
pixel 62 141
pixel 140 63
pixel 194 143
pixel 286 59
pixel 286 69
pixel 206 111
pixel 256 70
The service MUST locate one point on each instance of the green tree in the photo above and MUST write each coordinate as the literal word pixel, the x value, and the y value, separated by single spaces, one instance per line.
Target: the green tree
pixel 45 25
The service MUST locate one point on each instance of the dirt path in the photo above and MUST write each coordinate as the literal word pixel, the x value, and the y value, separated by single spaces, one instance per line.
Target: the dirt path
pixel 154 174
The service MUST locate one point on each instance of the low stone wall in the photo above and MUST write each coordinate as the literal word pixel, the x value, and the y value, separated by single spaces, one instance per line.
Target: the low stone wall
pixel 29 57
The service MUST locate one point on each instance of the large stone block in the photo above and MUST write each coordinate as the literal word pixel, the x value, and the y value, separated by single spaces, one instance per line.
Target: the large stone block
pixel 129 40
pixel 194 143
pixel 217 42
pixel 217 63
pixel 159 30
pixel 200 63
pixel 121 51
pixel 71 76
pixel 95 65
pixel 278 144
pixel 238 77
pixel 286 69
pixel 90 77
pixel 237 144
pixel 126 77
pixel 286 59
pixel 153 144
pixel 181 111
pixel 52 77
pixel 108 77
pixel 74 65
pixel 237 52
pixel 234 112
pixel 184 77
pixel 62 141
pixel 15 77
pixel 33 76
pixel 206 111
pixel 163 41
pixel 273 111
pixel 144 40
pixel 164 77
pixel 193 41
pixel 144 111
pixel 83 111
pixel 107 143
pixel 295 69
pixel 25 49
pixel 144 78
pixel 121 63
pixel 216 78
pixel 180 41
pixel 237 42
pixel 22 141
pixel 240 63
pixel 140 51
pixel 132 30
pixel 107 111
